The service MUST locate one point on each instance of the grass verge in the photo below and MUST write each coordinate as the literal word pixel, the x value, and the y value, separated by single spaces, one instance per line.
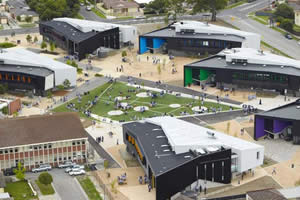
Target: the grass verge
pixel 275 49
pixel 45 189
pixel 89 188
pixel 19 190
pixel 27 25
pixel 259 20
pixel 97 12
pixel 236 4
pixel 79 16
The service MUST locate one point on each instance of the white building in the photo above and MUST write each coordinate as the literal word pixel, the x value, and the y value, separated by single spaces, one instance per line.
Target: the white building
pixel 23 69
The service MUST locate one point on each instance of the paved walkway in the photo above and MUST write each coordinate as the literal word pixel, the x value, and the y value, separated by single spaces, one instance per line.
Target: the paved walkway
pixel 175 89
pixel 102 153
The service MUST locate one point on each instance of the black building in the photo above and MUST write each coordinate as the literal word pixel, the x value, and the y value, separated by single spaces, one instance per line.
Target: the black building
pixel 77 42
pixel 170 173
pixel 25 78
pixel 194 38
pixel 250 69
pixel 282 122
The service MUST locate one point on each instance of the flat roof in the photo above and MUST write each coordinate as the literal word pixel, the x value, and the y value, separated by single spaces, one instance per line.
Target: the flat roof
pixel 40 129
pixel 22 57
pixel 288 112
pixel 170 32
pixel 219 62
pixel 184 136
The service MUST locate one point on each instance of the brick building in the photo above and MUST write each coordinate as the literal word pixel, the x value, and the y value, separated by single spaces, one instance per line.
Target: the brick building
pixel 34 140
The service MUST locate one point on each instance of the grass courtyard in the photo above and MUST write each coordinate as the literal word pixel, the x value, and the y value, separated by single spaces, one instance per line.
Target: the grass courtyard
pixel 19 190
pixel 109 91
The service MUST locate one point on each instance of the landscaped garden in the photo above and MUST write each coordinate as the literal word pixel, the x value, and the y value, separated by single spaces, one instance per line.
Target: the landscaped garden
pixel 118 101
pixel 89 188
pixel 19 190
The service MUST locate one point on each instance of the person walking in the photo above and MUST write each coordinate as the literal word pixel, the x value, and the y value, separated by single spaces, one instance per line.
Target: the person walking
pixel 274 171
pixel 149 187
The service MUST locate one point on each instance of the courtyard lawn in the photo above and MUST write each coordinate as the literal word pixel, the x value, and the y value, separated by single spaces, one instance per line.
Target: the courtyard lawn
pixel 89 188
pixel 45 189
pixel 19 190
pixel 109 91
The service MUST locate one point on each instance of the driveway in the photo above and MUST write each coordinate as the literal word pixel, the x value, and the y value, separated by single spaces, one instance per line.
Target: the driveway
pixel 65 185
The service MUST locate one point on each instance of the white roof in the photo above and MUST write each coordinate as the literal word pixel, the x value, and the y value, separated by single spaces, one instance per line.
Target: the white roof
pixel 254 56
pixel 201 27
pixel 143 1
pixel 4 195
pixel 87 25
pixel 184 136
pixel 19 56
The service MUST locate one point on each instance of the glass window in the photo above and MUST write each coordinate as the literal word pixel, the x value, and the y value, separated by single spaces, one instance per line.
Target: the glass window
pixel 205 43
pixel 257 155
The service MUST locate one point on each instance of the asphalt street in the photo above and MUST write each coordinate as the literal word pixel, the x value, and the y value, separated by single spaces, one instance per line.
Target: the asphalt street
pixel 238 17
pixel 65 185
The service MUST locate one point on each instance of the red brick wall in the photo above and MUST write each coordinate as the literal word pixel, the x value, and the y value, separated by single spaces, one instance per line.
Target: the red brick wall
pixel 14 106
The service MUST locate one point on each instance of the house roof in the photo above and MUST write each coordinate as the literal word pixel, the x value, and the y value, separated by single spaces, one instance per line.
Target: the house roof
pixel 40 129
pixel 20 8
pixel 114 4
pixel 270 194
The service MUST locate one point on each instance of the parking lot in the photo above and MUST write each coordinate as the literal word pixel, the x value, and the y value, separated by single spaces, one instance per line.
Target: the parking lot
pixel 65 185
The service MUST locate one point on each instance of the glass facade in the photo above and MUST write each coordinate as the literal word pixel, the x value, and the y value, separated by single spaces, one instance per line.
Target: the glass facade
pixel 260 77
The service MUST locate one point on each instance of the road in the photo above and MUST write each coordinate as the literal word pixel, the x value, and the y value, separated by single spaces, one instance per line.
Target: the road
pixel 65 185
pixel 270 36
pixel 19 31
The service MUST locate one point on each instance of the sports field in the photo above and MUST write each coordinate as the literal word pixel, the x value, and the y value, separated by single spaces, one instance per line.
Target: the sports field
pixel 104 102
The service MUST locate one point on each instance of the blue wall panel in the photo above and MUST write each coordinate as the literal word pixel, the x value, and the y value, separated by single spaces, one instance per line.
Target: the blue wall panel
pixel 157 43
pixel 143 45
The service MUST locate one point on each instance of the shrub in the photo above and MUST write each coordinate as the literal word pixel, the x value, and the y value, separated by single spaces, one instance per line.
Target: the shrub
pixel 79 70
pixel 124 53
pixel 98 75
pixel 5 45
pixel 18 18
pixel 28 38
pixel 44 45
pixel 287 24
pixel 28 19
pixel 45 178
pixel 5 110
pixel 285 11
pixel 60 87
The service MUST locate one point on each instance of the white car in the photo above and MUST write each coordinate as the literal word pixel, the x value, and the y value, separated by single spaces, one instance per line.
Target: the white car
pixel 140 17
pixel 66 164
pixel 88 8
pixel 42 167
pixel 299 42
pixel 76 172
pixel 67 170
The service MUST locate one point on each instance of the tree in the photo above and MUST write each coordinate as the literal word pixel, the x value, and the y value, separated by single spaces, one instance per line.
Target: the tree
pixel 156 6
pixel 19 18
pixel 6 39
pixel 175 8
pixel 285 11
pixel 28 38
pixel 35 40
pixel 213 6
pixel 52 46
pixel 159 69
pixel 44 45
pixel 67 83
pixel 20 172
pixel 45 178
pixel 124 53
pixel 28 19
pixel 287 24
pixel 2 89
pixel 5 110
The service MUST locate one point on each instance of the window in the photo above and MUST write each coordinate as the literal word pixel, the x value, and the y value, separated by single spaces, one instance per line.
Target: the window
pixel 78 142
pixel 1 152
pixel 11 150
pixel 257 155
pixel 6 151
pixel 16 150
pixel 205 43
pixel 50 146
pixel 45 146
pixel 73 143
pixel 55 159
pixel 83 142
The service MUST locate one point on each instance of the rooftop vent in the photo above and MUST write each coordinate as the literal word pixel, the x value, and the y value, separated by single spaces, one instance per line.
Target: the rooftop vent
pixel 298 107
pixel 282 66
pixel 233 63
pixel 30 69
pixel 244 64
pixel 211 134
pixel 18 67
pixel 264 65
pixel 187 156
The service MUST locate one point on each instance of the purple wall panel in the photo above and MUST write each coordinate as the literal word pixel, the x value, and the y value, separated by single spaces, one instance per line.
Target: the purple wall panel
pixel 279 125
pixel 259 127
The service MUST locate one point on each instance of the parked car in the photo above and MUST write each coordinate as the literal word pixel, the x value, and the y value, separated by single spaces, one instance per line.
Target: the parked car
pixel 81 4
pixel 288 36
pixel 66 164
pixel 299 42
pixel 76 172
pixel 140 17
pixel 42 167
pixel 9 171
pixel 88 8
pixel 67 170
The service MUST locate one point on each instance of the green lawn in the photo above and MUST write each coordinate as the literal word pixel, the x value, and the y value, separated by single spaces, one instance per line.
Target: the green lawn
pixel 89 188
pixel 259 19
pixel 296 28
pixel 27 25
pixel 97 12
pixel 19 190
pixel 110 91
pixel 236 4
pixel 45 189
